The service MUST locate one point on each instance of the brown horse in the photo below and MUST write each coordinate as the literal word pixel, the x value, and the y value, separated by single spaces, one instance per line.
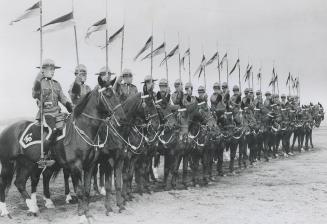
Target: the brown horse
pixel 136 108
pixel 76 152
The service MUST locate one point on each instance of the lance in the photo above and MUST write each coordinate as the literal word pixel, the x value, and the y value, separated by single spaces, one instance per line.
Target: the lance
pixel 75 35
pixel 277 85
pixel 239 76
pixel 189 66
pixel 151 69
pixel 41 95
pixel 189 61
pixel 204 76
pixel 166 63
pixel 252 78
pixel 107 49
pixel 122 50
pixel 289 84
pixel 218 66
pixel 179 60
pixel 227 69
pixel 260 79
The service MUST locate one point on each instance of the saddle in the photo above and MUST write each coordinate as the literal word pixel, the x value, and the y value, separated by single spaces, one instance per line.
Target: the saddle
pixel 32 134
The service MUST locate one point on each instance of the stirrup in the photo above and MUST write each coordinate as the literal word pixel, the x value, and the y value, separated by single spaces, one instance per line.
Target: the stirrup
pixel 42 163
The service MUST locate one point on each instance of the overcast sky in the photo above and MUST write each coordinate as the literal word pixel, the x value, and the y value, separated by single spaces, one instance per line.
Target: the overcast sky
pixel 292 34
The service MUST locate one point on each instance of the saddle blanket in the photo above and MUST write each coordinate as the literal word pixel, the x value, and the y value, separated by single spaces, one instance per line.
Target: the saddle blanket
pixel 32 134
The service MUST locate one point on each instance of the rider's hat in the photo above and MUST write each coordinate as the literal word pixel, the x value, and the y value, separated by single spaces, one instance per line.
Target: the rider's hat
pixel 236 88
pixel 148 78
pixel 103 71
pixel 163 82
pixel 127 73
pixel 188 85
pixel 49 63
pixel 224 85
pixel 201 89
pixel 216 85
pixel 178 82
pixel 80 68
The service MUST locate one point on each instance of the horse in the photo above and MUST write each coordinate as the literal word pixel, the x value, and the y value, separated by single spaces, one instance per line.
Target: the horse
pixel 23 162
pixel 298 132
pixel 114 155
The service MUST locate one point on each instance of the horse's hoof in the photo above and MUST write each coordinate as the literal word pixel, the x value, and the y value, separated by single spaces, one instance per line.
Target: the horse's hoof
pixel 83 219
pixel 49 203
pixel 103 191
pixel 32 214
pixel 121 209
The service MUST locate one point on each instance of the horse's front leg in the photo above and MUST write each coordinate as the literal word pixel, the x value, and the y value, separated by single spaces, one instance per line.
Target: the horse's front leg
pixel 118 183
pixel 24 169
pixel 107 171
pixel 46 187
pixel 95 179
pixel 233 148
pixel 78 177
pixel 311 138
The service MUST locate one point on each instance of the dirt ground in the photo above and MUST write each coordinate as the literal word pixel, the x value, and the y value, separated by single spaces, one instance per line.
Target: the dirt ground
pixel 285 190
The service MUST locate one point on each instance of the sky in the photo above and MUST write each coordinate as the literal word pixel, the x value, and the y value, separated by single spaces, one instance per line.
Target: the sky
pixel 290 35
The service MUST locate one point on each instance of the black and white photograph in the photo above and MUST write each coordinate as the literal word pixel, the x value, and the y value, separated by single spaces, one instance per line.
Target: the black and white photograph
pixel 163 111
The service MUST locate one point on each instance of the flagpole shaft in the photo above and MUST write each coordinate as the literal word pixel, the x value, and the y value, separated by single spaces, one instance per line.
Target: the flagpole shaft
pixel 122 50
pixel 189 66
pixel 76 45
pixel 106 42
pixel 179 66
pixel 204 77
pixel 75 36
pixel 219 71
pixel 41 95
pixel 166 63
pixel 151 66
pixel 227 70
pixel 239 77
pixel 252 80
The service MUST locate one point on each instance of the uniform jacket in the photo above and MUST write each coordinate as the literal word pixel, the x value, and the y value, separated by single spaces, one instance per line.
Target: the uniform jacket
pixel 52 94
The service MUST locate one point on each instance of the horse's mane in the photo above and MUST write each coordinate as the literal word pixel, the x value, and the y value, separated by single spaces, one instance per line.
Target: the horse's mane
pixel 79 108
pixel 129 104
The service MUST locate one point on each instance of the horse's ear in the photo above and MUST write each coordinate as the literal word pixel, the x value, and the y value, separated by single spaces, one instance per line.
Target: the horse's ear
pixel 76 89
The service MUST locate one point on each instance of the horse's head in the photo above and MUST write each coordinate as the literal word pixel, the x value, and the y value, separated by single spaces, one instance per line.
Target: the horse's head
pixel 100 103
pixel 209 121
pixel 142 107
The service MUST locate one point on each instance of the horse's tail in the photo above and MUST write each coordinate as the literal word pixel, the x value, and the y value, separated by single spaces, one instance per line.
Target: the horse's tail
pixel 7 171
pixel 55 174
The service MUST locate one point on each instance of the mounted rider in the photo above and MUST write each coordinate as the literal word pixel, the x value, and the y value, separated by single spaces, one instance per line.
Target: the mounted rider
pixel 79 88
pixel 123 85
pixel 52 94
pixel 189 101
pixel 258 101
pixel 163 95
pixel 226 94
pixel 148 86
pixel 177 96
pixel 236 99
pixel 216 99
pixel 202 95
pixel 104 77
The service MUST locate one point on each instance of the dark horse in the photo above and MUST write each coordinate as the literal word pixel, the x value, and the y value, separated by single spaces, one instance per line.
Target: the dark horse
pixel 138 109
pixel 76 152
